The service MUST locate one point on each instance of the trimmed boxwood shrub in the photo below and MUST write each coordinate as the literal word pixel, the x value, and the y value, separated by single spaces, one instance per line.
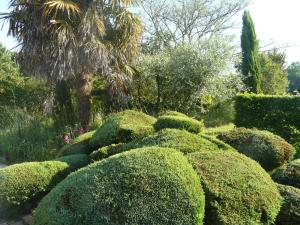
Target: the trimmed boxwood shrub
pixel 79 145
pixel 123 127
pixel 237 190
pixel 221 145
pixel 142 186
pixel 290 209
pixel 269 150
pixel 288 174
pixel 172 113
pixel 179 122
pixel 182 140
pixel 23 185
pixel 278 114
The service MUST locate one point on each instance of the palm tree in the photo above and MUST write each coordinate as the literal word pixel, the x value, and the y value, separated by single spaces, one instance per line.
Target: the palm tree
pixel 60 39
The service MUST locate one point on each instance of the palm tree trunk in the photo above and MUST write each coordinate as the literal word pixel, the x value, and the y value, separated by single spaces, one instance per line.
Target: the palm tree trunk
pixel 84 89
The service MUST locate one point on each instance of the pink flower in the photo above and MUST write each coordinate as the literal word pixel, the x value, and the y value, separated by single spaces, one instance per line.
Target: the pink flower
pixel 66 139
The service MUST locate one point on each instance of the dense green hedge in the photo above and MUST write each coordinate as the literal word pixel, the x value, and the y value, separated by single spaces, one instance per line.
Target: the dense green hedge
pixel 145 186
pixel 123 127
pixel 237 190
pixel 182 140
pixel 179 122
pixel 288 174
pixel 290 209
pixel 278 114
pixel 79 145
pixel 23 185
pixel 270 150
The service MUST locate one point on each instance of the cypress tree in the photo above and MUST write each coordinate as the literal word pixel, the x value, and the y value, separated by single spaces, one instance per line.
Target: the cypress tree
pixel 250 55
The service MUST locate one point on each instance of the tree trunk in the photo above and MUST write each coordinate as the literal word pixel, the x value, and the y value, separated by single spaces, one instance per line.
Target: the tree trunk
pixel 84 89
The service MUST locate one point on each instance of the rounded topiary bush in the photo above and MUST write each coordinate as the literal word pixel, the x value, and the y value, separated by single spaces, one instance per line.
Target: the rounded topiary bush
pixel 143 186
pixel 182 140
pixel 123 127
pixel 79 145
pixel 172 113
pixel 290 209
pixel 237 190
pixel 179 122
pixel 269 150
pixel 288 174
pixel 23 185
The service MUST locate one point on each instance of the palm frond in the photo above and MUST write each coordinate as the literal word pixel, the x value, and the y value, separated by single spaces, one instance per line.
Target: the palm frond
pixel 65 6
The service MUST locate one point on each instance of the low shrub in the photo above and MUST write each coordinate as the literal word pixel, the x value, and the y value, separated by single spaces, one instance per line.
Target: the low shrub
pixel 23 185
pixel 142 186
pixel 297 147
pixel 221 145
pixel 290 209
pixel 288 174
pixel 172 113
pixel 182 140
pixel 237 190
pixel 269 150
pixel 123 127
pixel 79 145
pixel 179 122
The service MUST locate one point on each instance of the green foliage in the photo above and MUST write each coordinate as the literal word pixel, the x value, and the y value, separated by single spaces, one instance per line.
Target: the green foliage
pixel 181 79
pixel 64 114
pixel 297 147
pixel 16 90
pixel 123 127
pixel 269 150
pixel 288 174
pixel 23 185
pixel 274 76
pixel 290 209
pixel 250 55
pixel 237 190
pixel 143 186
pixel 278 114
pixel 31 140
pixel 172 113
pixel 219 114
pixel 79 145
pixel 169 138
pixel 179 122
pixel 221 145
pixel 214 131
pixel 294 77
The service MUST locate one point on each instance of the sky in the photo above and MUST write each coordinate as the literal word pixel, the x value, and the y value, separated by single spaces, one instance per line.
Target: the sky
pixel 276 22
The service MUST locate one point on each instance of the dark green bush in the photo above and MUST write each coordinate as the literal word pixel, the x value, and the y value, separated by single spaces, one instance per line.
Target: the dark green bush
pixel 179 122
pixel 23 185
pixel 270 150
pixel 290 209
pixel 123 127
pixel 182 140
pixel 221 145
pixel 79 145
pixel 237 190
pixel 278 114
pixel 288 174
pixel 297 147
pixel 142 186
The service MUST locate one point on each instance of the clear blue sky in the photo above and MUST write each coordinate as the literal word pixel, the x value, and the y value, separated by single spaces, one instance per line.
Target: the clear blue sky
pixel 276 21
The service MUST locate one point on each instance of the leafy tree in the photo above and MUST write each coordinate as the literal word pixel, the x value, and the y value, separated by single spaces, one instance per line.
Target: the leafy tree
pixel 294 77
pixel 185 79
pixel 250 55
pixel 273 72
pixel 17 90
pixel 75 39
